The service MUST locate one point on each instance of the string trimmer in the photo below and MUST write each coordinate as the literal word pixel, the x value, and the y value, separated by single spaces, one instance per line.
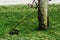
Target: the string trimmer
pixel 15 31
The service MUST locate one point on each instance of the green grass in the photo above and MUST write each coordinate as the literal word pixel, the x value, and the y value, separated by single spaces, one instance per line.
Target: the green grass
pixel 10 15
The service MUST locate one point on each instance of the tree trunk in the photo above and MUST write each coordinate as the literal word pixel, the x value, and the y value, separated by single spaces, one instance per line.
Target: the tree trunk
pixel 42 14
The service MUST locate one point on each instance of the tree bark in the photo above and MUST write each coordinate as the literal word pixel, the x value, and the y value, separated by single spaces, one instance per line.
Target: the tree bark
pixel 42 14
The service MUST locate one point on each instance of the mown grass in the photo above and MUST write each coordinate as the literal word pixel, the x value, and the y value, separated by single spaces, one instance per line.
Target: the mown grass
pixel 10 15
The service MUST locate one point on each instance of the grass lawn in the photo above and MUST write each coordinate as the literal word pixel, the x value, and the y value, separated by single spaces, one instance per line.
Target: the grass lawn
pixel 10 15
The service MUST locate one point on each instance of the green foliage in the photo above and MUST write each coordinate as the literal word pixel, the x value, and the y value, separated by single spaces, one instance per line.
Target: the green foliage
pixel 10 15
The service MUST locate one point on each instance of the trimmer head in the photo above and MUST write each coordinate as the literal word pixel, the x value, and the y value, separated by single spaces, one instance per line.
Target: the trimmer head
pixel 14 31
